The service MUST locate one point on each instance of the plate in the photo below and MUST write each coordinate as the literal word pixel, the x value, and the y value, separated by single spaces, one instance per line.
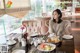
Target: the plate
pixel 67 36
pixel 52 45
pixel 35 34
pixel 11 42
pixel 18 51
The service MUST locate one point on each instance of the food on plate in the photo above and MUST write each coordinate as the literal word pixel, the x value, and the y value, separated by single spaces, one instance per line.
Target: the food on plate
pixel 46 47
pixel 54 39
pixel 49 40
pixel 42 46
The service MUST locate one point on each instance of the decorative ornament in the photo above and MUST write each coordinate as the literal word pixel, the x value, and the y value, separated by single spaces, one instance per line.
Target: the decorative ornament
pixel 9 4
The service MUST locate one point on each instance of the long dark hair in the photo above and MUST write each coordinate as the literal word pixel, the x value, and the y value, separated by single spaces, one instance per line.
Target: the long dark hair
pixel 59 18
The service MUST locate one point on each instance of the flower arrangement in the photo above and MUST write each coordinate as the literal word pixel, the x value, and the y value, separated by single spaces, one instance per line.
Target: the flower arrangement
pixel 23 27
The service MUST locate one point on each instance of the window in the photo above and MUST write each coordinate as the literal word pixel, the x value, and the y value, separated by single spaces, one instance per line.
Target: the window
pixel 2 33
pixel 1 4
pixel 7 25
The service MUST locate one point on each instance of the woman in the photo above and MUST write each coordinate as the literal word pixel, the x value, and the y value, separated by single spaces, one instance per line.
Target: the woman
pixel 57 25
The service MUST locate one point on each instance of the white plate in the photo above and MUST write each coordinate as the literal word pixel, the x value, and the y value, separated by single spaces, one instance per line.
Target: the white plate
pixel 18 51
pixel 11 42
pixel 53 46
pixel 67 36
pixel 35 34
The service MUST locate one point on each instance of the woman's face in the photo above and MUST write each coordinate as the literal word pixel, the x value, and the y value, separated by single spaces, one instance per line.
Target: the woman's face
pixel 55 15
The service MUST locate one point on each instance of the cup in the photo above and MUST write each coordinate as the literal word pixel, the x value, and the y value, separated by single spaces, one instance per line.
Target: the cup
pixel 35 42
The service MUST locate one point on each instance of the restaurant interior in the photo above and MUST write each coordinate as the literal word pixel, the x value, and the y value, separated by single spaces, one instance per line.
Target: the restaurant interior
pixel 22 18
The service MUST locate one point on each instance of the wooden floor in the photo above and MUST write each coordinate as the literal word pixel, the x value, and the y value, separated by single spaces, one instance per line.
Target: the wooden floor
pixel 76 34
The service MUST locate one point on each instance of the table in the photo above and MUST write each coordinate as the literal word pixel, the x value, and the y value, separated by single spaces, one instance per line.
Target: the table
pixel 66 47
